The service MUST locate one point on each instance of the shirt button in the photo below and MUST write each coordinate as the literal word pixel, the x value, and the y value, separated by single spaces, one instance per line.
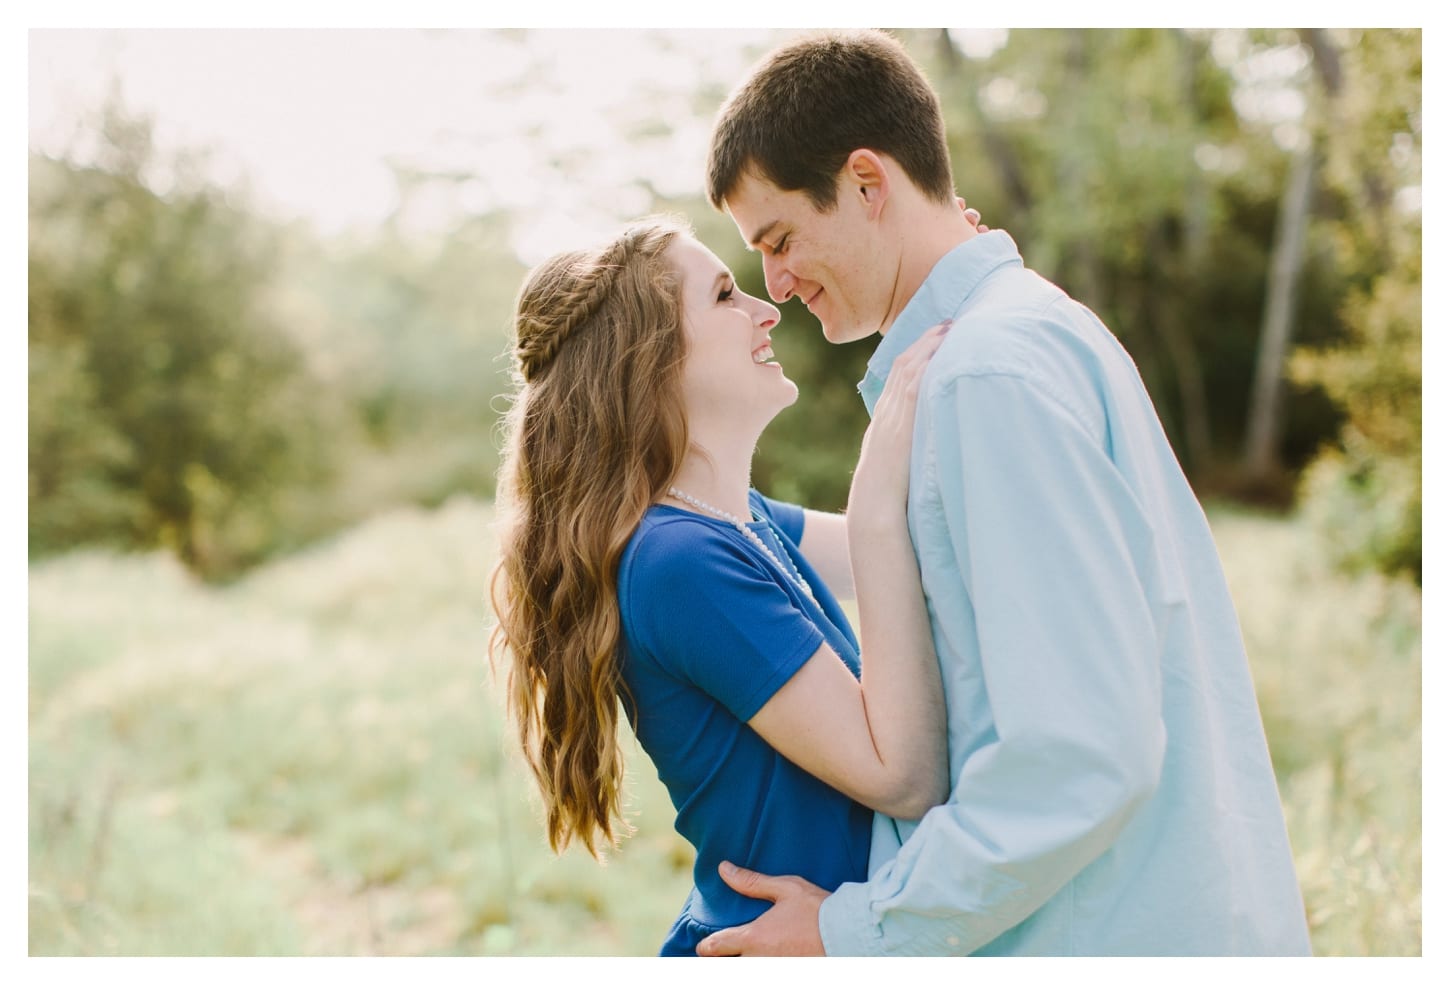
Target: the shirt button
pixel 953 941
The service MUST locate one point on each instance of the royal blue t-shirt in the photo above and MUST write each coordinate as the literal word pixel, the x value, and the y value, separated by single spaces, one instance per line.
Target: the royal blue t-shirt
pixel 711 628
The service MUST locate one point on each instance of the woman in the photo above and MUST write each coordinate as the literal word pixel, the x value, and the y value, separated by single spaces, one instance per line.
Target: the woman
pixel 638 568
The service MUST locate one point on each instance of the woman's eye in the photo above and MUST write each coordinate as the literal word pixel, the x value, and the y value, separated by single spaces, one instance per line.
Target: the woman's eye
pixel 726 294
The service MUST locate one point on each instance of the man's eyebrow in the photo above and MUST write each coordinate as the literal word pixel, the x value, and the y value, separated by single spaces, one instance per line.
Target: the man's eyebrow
pixel 763 231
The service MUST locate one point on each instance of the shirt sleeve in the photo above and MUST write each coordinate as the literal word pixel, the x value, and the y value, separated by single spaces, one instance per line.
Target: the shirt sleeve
pixel 1045 535
pixel 708 613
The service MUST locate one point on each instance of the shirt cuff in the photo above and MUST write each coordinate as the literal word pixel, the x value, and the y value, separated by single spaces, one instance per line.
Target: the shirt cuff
pixel 845 923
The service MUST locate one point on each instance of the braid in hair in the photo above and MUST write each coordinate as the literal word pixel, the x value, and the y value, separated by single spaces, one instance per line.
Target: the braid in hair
pixel 582 280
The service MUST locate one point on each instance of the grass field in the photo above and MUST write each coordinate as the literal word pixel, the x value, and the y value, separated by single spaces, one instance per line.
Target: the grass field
pixel 313 761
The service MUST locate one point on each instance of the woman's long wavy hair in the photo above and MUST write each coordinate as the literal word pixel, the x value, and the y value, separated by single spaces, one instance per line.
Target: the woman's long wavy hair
pixel 595 433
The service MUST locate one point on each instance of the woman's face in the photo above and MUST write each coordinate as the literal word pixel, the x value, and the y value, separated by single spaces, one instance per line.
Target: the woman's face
pixel 730 373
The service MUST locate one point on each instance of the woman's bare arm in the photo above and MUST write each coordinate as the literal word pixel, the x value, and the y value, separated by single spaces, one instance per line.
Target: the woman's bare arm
pixel 880 740
pixel 824 543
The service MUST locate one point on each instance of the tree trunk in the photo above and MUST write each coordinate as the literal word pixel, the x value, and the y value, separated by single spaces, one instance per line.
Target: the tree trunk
pixel 1261 447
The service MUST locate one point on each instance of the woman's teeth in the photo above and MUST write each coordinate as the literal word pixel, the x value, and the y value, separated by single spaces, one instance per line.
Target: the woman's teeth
pixel 763 355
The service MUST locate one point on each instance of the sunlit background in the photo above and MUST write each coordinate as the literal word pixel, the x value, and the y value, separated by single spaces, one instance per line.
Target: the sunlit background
pixel 568 131
pixel 270 280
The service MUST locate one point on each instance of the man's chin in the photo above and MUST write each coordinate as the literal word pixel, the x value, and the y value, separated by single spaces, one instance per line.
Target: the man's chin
pixel 838 333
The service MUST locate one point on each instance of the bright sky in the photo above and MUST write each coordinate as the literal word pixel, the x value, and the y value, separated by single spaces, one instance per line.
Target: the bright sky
pixel 314 118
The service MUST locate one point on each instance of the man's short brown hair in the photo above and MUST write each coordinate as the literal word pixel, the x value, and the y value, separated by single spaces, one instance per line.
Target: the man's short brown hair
pixel 813 101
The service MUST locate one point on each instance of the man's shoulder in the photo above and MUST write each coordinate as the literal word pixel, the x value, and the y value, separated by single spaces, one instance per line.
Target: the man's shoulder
pixel 1013 322
pixel 1031 334
pixel 998 331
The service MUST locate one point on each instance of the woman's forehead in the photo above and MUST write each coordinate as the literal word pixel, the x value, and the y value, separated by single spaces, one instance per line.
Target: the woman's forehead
pixel 695 259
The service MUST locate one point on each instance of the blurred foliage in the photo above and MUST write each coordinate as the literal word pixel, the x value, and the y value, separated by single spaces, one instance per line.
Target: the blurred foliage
pixel 1364 491
pixel 204 381
pixel 1337 662
pixel 409 338
pixel 166 406
pixel 232 389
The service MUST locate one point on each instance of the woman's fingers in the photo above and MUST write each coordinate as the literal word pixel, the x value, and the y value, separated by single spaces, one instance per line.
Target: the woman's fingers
pixel 912 361
pixel 882 474
pixel 896 409
pixel 972 216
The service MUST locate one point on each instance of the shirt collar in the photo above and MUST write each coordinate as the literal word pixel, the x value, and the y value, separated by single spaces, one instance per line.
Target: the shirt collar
pixel 941 296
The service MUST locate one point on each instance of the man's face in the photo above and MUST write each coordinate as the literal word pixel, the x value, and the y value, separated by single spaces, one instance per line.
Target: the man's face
pixel 828 260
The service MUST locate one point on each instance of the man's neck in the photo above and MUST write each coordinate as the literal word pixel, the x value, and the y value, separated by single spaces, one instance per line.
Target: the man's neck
pixel 928 233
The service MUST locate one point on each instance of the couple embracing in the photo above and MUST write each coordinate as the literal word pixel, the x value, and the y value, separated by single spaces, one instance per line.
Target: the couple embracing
pixel 1045 739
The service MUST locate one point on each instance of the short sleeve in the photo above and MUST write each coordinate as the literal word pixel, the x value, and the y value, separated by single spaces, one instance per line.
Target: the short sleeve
pixel 702 606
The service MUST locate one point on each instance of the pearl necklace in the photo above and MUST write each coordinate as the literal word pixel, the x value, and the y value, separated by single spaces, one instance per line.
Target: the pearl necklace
pixel 793 574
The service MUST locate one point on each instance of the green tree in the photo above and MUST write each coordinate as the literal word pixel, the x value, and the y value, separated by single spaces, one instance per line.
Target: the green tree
pixel 166 408
pixel 1121 164
pixel 1364 491
pixel 409 333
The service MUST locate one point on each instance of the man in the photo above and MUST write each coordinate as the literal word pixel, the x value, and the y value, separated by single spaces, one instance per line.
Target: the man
pixel 1111 785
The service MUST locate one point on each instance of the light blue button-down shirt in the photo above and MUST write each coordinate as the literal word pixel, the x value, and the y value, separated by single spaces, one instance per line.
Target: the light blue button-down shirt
pixel 1112 791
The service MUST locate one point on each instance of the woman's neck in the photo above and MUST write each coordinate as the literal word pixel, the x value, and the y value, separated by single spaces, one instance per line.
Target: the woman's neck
pixel 717 475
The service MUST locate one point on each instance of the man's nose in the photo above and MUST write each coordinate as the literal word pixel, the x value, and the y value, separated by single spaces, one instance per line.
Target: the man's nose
pixel 779 283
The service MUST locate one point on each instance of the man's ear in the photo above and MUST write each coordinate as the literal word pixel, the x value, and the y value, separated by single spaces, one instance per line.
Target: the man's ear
pixel 868 180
